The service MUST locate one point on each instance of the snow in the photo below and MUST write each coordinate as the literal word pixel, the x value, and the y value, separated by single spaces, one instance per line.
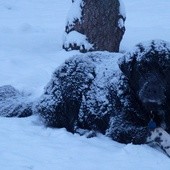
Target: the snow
pixel 122 8
pixel 25 144
pixel 120 23
pixel 75 12
pixel 31 35
pixel 160 46
pixel 145 20
pixel 77 38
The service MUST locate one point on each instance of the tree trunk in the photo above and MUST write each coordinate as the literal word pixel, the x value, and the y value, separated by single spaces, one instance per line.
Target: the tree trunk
pixel 101 24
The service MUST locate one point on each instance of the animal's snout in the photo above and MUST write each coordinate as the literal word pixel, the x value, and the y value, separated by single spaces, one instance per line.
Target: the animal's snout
pixel 152 94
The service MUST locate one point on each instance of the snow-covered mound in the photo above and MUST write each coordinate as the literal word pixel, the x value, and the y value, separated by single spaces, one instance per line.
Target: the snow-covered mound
pixel 14 103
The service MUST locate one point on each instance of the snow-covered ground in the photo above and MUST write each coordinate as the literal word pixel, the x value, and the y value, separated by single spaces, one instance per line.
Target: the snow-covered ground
pixel 31 33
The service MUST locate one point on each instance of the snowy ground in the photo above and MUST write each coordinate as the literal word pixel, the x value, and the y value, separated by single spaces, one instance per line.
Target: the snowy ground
pixel 30 49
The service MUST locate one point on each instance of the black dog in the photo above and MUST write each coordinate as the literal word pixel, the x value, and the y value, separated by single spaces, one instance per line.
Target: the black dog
pixel 128 102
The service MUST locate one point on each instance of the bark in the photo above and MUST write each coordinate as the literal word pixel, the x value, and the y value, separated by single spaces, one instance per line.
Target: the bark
pixel 100 23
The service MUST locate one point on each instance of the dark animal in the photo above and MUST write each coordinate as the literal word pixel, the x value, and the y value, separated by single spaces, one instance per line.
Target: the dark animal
pixel 130 104
pixel 128 101
pixel 97 24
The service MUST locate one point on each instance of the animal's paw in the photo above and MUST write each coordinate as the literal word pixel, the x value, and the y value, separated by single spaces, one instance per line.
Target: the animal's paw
pixel 161 138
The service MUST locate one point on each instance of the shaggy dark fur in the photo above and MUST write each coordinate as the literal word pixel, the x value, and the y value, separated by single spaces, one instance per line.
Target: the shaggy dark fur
pixel 147 70
pixel 118 104
pixel 101 22
pixel 60 104
pixel 148 73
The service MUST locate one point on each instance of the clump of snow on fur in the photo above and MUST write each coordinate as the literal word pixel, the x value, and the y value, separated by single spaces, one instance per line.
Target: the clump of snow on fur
pixel 96 100
pixel 160 46
pixel 142 49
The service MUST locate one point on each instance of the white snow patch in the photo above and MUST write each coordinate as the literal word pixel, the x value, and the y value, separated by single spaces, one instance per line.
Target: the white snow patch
pixel 120 23
pixel 75 12
pixel 77 38
pixel 26 144
pixel 122 8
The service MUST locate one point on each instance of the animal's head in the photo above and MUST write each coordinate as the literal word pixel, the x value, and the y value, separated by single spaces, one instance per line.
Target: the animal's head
pixel 148 71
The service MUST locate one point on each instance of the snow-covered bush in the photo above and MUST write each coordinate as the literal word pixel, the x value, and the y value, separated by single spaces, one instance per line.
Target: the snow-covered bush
pixel 14 103
pixel 95 25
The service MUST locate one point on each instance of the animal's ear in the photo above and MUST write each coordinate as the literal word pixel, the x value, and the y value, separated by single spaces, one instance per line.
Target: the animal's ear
pixel 126 64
